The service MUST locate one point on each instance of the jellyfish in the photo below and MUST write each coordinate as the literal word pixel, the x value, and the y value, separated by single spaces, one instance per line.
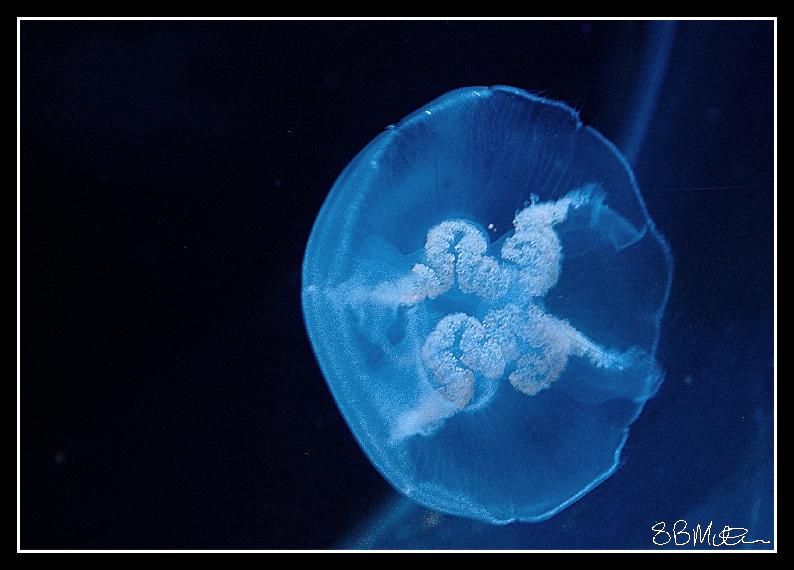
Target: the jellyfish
pixel 483 289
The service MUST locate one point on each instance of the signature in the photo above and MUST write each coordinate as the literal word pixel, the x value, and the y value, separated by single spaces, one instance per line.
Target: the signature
pixel 680 535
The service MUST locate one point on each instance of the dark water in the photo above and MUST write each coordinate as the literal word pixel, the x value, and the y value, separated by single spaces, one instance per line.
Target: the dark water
pixel 171 172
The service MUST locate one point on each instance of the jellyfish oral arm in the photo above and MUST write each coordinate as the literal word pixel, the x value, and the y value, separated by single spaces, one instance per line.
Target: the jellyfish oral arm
pixel 515 333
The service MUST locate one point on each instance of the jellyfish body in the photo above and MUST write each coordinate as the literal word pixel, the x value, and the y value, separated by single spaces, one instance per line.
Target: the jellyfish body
pixel 483 289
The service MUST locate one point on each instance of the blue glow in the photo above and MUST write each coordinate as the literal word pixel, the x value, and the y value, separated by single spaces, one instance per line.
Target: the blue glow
pixel 656 57
pixel 483 288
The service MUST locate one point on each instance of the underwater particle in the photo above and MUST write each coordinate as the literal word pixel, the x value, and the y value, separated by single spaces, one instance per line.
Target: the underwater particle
pixel 485 375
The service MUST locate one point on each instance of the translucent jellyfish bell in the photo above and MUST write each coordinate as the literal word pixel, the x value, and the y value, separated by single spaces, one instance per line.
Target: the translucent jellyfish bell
pixel 483 289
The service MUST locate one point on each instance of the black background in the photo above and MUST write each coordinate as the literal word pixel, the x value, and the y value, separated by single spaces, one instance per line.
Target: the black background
pixel 170 175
